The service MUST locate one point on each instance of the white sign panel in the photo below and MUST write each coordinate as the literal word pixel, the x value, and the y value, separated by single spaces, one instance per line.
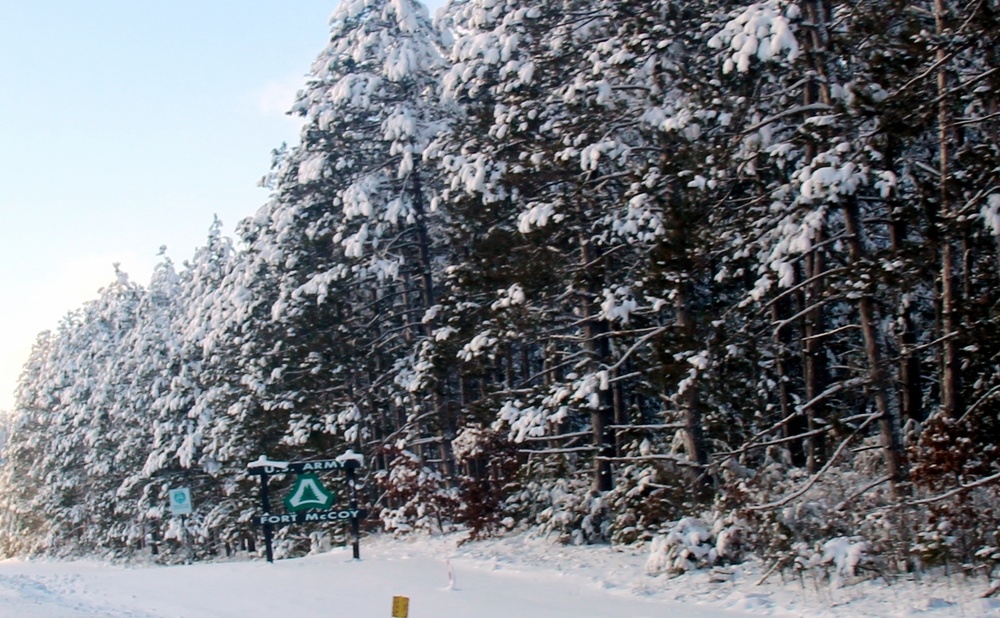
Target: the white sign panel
pixel 180 501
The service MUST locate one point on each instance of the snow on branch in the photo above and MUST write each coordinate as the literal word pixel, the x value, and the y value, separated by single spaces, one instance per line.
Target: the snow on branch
pixel 819 473
pixel 954 492
pixel 761 30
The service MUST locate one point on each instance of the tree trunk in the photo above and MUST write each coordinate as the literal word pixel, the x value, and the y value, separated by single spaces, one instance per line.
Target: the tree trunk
pixel 796 425
pixel 911 394
pixel 950 378
pixel 596 344
pixel 694 432
pixel 814 370
pixel 815 374
pixel 889 418
pixel 447 422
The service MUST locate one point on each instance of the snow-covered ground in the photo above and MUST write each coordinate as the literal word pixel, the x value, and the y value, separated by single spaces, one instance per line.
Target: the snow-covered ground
pixel 493 579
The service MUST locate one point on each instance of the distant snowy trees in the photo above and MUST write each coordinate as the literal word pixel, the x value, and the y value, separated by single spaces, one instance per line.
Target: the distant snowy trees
pixel 605 269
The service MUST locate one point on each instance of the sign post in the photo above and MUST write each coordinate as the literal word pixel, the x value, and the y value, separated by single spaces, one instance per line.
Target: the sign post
pixel 307 498
pixel 400 607
pixel 352 484
pixel 180 504
pixel 265 504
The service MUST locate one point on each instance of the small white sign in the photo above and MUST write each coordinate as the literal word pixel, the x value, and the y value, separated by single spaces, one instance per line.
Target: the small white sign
pixel 180 501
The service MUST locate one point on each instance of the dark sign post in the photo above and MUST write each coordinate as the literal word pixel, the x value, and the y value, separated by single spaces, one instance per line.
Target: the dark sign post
pixel 355 532
pixel 303 504
pixel 265 506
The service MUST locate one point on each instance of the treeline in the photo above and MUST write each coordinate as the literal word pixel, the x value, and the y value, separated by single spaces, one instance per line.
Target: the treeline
pixel 592 267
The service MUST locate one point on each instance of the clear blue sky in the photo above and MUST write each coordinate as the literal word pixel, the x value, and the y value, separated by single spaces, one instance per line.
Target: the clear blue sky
pixel 125 125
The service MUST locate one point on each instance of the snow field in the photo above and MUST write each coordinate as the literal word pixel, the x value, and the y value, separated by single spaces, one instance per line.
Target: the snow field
pixel 503 578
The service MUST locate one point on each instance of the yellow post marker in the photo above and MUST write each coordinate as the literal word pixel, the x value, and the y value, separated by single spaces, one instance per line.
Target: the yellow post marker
pixel 400 607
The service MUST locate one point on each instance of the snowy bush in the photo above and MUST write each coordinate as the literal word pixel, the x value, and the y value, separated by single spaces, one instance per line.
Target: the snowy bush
pixel 691 543
pixel 645 497
pixel 686 546
pixel 844 556
pixel 836 560
pixel 566 507
pixel 415 496
pixel 488 463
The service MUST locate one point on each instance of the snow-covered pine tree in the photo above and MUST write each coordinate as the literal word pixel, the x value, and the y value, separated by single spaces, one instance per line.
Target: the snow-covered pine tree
pixel 73 411
pixel 802 145
pixel 148 361
pixel 565 192
pixel 343 256
pixel 942 98
pixel 371 108
pixel 20 525
pixel 528 241
pixel 190 397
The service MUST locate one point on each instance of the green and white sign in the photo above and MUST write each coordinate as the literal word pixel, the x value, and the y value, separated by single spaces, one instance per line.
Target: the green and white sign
pixel 180 501
pixel 308 501
pixel 308 493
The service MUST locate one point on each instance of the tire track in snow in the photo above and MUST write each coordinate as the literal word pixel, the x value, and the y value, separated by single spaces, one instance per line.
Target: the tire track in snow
pixel 23 596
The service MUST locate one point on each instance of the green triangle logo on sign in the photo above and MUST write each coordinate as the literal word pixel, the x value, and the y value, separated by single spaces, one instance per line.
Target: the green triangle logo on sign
pixel 308 493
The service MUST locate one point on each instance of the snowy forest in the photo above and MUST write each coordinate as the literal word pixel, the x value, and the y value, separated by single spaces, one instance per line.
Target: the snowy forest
pixel 718 277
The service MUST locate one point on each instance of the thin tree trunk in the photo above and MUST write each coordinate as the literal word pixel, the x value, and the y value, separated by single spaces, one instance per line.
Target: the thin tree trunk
pixel 910 378
pixel 782 341
pixel 890 426
pixel 814 351
pixel 447 422
pixel 814 370
pixel 596 344
pixel 621 415
pixel 694 432
pixel 950 379
pixel 910 374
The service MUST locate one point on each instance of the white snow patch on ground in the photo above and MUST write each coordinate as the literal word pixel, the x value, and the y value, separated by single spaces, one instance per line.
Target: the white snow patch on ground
pixel 490 579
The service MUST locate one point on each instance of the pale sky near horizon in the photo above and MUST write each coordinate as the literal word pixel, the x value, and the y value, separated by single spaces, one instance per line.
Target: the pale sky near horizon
pixel 126 126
